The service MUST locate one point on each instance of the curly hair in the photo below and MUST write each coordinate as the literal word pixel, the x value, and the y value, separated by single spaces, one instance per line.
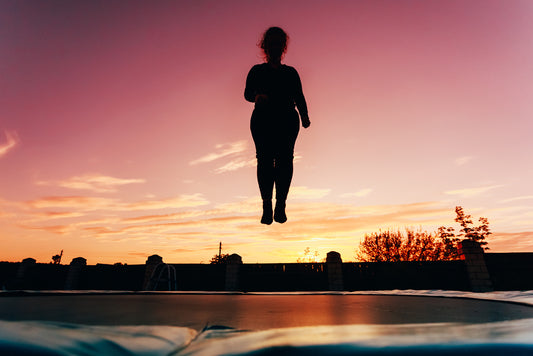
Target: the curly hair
pixel 274 43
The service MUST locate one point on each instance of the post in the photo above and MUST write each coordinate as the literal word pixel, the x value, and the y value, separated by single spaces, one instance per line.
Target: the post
pixel 74 271
pixel 26 264
pixel 334 266
pixel 151 264
pixel 233 268
pixel 472 253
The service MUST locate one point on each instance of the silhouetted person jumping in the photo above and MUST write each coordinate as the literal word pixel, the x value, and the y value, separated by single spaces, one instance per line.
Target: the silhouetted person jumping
pixel 275 89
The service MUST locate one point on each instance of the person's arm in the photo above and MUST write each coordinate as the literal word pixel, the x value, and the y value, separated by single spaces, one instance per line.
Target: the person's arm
pixel 250 92
pixel 299 99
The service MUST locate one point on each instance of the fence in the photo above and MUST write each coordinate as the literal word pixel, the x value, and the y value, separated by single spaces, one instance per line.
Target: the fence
pixel 476 271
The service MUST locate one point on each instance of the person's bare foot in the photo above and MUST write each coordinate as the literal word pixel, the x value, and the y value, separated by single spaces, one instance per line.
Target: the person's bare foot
pixel 279 212
pixel 267 213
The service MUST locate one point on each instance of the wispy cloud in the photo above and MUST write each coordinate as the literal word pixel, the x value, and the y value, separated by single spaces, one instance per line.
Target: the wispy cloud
pixel 93 182
pixel 230 157
pixel 183 201
pixel 82 203
pixel 161 217
pixel 318 224
pixel 512 242
pixel 308 193
pixel 48 215
pixel 221 151
pixel 319 220
pixel 307 220
pixel 359 194
pixel 525 197
pixel 235 164
pixel 12 140
pixel 72 202
pixel 461 161
pixel 470 192
pixel 56 229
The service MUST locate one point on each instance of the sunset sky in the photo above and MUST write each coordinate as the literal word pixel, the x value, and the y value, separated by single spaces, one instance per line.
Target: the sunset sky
pixel 124 131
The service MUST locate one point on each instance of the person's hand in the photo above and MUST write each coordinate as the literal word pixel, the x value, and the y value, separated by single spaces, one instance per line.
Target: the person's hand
pixel 305 121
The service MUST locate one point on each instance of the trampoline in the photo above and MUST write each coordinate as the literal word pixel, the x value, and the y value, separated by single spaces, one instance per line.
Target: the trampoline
pixel 263 323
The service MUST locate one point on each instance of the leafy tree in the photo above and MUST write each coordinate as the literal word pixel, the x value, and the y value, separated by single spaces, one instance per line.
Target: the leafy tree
pixel 395 246
pixel 219 259
pixel 468 230
pixel 391 246
pixel 449 240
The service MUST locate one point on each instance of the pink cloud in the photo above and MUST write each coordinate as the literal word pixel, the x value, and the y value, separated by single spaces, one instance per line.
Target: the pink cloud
pixel 221 151
pixel 469 192
pixel 94 182
pixel 183 201
pixel 12 140
pixel 84 203
pixel 511 241
pixel 72 202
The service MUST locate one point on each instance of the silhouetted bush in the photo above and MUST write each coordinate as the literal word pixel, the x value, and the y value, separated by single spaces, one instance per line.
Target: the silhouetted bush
pixel 219 259
pixel 395 246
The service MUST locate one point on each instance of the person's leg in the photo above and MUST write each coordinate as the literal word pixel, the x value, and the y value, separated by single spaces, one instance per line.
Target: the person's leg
pixel 265 165
pixel 283 171
pixel 283 165
pixel 265 179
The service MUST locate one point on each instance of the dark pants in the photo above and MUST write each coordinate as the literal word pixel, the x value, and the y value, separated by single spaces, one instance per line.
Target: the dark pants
pixel 274 133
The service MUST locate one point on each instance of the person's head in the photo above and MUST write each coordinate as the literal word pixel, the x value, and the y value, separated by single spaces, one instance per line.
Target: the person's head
pixel 274 44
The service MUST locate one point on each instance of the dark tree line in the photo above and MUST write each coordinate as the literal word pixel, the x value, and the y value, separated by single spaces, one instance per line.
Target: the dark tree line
pixel 393 246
